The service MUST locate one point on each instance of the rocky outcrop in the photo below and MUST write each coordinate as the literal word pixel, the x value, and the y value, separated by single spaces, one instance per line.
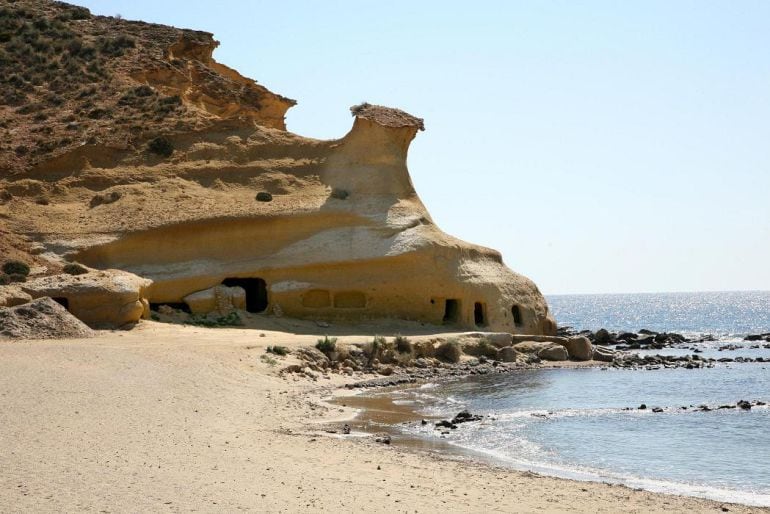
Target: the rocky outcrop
pixel 101 299
pixel 553 353
pixel 11 296
pixel 219 299
pixel 579 348
pixel 42 318
pixel 344 236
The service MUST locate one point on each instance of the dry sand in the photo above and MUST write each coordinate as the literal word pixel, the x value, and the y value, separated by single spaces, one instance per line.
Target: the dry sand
pixel 171 418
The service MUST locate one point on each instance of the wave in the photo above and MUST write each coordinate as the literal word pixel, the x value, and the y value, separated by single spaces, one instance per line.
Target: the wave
pixel 587 474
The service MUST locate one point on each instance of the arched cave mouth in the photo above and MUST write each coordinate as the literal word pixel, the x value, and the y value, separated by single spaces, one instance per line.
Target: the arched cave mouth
pixel 256 292
pixel 451 311
pixel 516 312
pixel 479 314
pixel 64 302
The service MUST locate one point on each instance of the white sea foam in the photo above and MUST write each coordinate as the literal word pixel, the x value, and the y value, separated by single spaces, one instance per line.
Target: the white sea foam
pixel 755 498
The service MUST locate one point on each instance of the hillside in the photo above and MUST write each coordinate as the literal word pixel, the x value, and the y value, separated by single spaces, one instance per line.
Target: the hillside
pixel 129 148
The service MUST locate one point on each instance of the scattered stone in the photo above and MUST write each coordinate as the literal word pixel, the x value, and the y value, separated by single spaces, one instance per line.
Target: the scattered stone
pixel 603 354
pixel 643 407
pixel 743 404
pixel 105 198
pixel 555 352
pixel 602 337
pixel 465 416
pixel 507 354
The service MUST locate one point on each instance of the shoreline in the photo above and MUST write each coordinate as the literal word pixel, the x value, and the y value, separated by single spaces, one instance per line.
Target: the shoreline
pixel 168 417
pixel 377 413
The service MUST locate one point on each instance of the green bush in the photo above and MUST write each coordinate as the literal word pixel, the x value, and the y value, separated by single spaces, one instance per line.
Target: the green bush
pixel 277 350
pixel 116 46
pixel 449 351
pixel 4 280
pixel 16 268
pixel 17 277
pixel 327 345
pixel 231 320
pixel 161 146
pixel 73 268
pixel 482 347
pixel 403 345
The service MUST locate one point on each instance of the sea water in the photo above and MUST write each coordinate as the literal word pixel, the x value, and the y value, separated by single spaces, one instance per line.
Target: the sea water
pixel 586 423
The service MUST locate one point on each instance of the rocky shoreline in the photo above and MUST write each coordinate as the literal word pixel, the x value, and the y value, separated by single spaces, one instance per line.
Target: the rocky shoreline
pixel 401 361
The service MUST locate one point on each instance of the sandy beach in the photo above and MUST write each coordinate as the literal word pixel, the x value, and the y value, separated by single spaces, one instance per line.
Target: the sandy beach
pixel 176 418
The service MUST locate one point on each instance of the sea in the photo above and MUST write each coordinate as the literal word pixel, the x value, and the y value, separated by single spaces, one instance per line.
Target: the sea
pixel 586 424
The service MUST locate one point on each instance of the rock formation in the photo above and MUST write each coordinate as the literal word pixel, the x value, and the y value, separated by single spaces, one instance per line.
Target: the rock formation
pixel 215 191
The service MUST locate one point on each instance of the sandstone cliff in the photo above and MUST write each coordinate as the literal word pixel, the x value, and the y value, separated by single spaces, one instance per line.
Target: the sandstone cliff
pixel 213 190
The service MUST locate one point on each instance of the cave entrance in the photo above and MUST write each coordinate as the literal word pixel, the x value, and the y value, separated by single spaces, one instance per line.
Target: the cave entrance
pixel 516 312
pixel 451 310
pixel 62 301
pixel 256 292
pixel 479 314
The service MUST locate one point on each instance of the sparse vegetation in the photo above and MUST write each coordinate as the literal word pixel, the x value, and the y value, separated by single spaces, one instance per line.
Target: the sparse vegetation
pixel 449 351
pixel 268 360
pixel 16 268
pixel 230 320
pixel 482 347
pixel 403 345
pixel 115 46
pixel 327 345
pixel 277 350
pixel 161 146
pixel 17 277
pixel 4 280
pixel 73 268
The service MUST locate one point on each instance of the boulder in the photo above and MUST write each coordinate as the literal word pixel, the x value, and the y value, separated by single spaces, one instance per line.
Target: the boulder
pixel 532 346
pixel 101 299
pixel 555 352
pixel 645 340
pixel 11 296
pixel 218 299
pixel 603 354
pixel 499 339
pixel 42 318
pixel 507 354
pixel 579 348
pixel 602 336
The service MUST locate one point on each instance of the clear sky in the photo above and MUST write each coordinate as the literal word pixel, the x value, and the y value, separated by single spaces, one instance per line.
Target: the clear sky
pixel 600 146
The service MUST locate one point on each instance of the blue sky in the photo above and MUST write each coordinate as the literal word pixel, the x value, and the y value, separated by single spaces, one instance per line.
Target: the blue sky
pixel 600 146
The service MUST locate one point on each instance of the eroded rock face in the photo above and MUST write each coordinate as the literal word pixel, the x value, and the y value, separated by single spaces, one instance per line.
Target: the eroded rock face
pixel 42 318
pixel 101 299
pixel 344 238
pixel 219 299
pixel 11 296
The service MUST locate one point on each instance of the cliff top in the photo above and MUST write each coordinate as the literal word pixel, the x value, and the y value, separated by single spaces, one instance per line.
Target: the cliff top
pixel 74 79
pixel 387 116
